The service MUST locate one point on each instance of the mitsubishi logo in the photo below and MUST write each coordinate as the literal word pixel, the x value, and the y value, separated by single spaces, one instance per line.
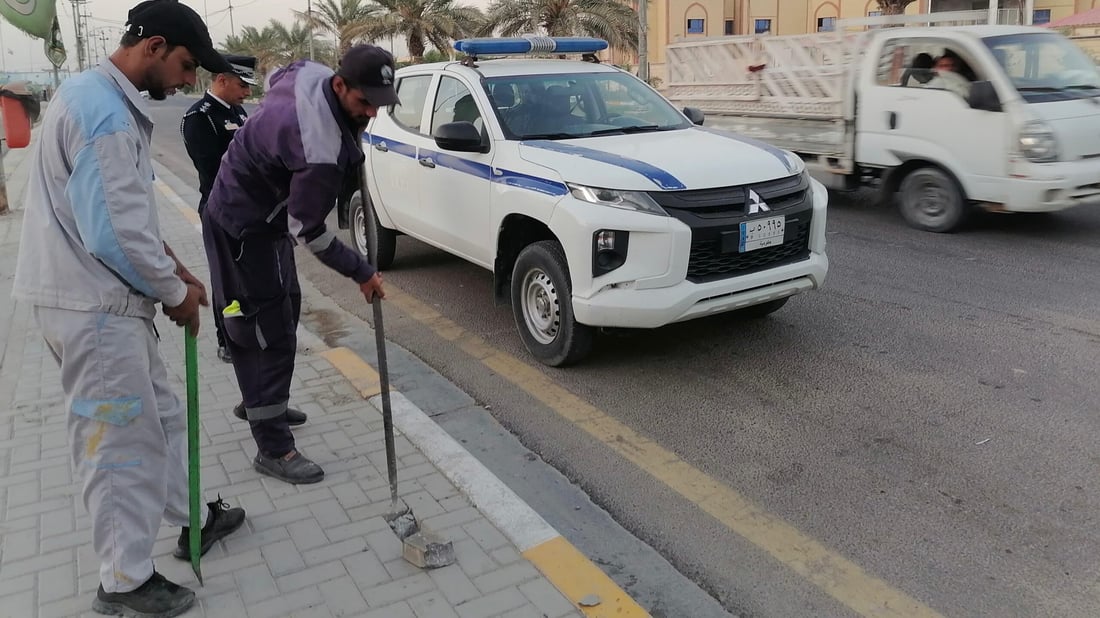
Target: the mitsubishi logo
pixel 756 203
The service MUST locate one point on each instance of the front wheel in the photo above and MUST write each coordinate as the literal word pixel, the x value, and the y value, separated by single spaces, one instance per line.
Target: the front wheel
pixel 931 200
pixel 364 228
pixel 542 307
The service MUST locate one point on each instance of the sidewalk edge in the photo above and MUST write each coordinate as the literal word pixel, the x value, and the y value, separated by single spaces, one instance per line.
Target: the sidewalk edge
pixel 564 566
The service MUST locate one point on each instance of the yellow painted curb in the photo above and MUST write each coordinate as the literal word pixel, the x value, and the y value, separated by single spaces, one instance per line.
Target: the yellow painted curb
pixel 579 579
pixel 361 375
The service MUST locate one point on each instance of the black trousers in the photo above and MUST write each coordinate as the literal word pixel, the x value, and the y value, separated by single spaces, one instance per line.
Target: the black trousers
pixel 258 272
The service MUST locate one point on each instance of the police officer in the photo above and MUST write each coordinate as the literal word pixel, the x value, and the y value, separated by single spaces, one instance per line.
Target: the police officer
pixel 207 129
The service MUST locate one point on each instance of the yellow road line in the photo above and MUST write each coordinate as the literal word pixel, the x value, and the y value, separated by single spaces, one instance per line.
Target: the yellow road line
pixel 829 571
pixel 361 375
pixel 579 579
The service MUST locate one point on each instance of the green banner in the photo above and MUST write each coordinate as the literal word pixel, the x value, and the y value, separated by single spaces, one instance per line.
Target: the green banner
pixel 37 18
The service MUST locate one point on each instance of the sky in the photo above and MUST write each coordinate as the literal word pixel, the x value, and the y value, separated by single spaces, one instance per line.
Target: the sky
pixel 24 53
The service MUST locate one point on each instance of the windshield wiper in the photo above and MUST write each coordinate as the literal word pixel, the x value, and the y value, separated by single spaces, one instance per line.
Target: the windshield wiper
pixel 1082 87
pixel 638 128
pixel 552 136
pixel 1039 89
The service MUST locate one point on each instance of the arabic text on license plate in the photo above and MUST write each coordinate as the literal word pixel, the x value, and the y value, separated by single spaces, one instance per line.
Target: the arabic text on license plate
pixel 760 233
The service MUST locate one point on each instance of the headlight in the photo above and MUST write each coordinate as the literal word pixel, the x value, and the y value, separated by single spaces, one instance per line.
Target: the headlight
pixel 1037 143
pixel 627 200
pixel 795 162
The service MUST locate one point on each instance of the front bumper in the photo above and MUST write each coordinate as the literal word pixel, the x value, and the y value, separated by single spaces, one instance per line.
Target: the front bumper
pixel 626 307
pixel 1049 187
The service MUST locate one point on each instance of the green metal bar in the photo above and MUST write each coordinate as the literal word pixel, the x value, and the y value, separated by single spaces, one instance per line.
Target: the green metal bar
pixel 193 487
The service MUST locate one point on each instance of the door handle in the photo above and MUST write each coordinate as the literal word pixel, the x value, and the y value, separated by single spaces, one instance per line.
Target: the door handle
pixel 381 147
pixel 427 162
pixel 892 120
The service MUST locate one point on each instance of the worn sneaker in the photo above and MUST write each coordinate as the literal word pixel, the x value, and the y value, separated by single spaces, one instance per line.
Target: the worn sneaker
pixel 293 467
pixel 293 417
pixel 156 598
pixel 220 523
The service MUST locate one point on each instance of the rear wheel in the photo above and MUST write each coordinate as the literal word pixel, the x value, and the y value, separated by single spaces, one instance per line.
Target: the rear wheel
pixel 931 200
pixel 364 226
pixel 542 306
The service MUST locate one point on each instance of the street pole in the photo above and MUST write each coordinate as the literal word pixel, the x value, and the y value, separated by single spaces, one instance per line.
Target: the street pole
pixel 643 42
pixel 232 28
pixel 309 22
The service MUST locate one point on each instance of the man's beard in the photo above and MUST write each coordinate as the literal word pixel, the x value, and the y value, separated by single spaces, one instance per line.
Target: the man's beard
pixel 154 85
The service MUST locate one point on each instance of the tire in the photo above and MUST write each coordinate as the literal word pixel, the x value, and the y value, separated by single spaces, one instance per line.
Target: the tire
pixel 931 200
pixel 762 310
pixel 362 228
pixel 541 305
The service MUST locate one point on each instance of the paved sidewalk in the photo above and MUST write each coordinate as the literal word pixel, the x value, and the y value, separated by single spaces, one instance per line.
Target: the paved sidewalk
pixel 315 550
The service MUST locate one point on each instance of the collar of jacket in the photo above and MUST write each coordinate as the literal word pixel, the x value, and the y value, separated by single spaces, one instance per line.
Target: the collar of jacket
pixel 112 72
pixel 338 112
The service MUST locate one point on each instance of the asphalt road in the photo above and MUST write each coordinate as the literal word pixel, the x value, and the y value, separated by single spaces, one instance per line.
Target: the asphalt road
pixel 930 415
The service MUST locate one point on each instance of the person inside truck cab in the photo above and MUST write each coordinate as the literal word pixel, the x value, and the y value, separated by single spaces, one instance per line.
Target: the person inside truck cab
pixel 948 76
pixel 920 70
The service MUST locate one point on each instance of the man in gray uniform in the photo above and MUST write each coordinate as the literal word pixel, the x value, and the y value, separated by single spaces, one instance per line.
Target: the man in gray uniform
pixel 93 264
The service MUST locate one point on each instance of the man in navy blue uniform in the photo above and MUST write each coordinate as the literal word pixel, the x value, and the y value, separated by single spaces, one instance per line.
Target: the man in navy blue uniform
pixel 285 170
pixel 208 127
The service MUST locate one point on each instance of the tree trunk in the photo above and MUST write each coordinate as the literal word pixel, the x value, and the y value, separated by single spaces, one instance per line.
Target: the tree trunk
pixel 894 7
pixel 415 42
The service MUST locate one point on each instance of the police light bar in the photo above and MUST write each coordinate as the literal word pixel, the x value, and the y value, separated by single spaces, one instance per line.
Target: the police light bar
pixel 530 45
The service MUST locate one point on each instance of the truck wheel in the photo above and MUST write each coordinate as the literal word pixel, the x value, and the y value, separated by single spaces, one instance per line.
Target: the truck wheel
pixel 762 310
pixel 541 293
pixel 363 228
pixel 931 200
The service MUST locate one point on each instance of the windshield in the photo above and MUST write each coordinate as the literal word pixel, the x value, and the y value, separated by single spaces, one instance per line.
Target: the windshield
pixel 565 106
pixel 1046 66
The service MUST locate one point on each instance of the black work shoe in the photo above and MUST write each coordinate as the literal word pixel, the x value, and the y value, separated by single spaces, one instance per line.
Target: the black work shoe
pixel 220 523
pixel 156 598
pixel 293 467
pixel 224 355
pixel 293 417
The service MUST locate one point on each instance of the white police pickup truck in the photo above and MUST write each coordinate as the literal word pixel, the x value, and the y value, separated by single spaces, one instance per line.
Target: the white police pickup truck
pixel 594 201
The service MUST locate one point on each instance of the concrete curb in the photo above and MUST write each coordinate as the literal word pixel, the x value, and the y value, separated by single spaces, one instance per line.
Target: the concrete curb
pixel 581 581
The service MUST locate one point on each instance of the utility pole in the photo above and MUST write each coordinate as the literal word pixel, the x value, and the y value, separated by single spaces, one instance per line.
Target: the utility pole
pixel 232 28
pixel 643 41
pixel 309 22
pixel 81 61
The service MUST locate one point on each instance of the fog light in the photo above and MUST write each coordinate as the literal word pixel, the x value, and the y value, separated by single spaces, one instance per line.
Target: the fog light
pixel 608 250
pixel 605 240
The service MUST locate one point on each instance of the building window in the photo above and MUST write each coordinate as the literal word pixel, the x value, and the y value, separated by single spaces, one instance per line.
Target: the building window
pixel 1040 17
pixel 763 26
pixel 729 27
pixel 874 13
pixel 695 26
pixel 826 24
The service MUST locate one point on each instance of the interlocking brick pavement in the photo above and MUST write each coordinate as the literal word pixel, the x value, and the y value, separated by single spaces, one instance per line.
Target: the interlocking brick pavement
pixel 318 550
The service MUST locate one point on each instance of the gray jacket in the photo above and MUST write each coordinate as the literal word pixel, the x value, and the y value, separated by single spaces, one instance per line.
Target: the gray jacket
pixel 91 236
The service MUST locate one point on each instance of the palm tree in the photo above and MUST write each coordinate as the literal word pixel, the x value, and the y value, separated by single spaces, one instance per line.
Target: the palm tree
pixel 293 43
pixel 612 20
pixel 343 19
pixel 263 44
pixel 894 7
pixel 423 21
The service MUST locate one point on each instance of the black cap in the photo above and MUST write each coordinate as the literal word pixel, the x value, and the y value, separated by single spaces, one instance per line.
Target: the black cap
pixel 179 24
pixel 369 69
pixel 243 67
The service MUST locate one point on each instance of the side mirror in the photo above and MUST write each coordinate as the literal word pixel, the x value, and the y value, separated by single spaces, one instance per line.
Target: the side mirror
pixel 459 136
pixel 695 115
pixel 983 96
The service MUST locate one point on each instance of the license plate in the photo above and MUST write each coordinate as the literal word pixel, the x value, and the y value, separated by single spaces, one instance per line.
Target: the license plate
pixel 761 233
